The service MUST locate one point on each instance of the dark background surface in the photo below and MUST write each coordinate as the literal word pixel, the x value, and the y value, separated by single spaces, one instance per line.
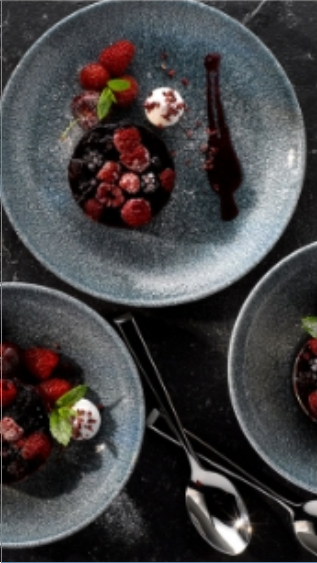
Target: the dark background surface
pixel 148 521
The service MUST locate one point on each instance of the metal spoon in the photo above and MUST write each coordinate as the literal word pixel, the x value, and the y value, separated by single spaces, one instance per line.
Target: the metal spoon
pixel 303 516
pixel 214 505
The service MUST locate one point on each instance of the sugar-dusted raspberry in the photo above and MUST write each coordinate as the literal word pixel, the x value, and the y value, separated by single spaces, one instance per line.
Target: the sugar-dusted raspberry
pixel 10 430
pixel 109 173
pixel 136 212
pixel 93 209
pixel 137 160
pixel 110 195
pixel 167 178
pixel 130 182
pixel 126 139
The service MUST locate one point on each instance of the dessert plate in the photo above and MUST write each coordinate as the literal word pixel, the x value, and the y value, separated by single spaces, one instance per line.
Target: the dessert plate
pixel 265 341
pixel 78 483
pixel 186 252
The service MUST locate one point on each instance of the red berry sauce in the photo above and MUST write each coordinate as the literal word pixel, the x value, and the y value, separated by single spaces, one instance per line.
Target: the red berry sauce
pixel 115 164
pixel 221 164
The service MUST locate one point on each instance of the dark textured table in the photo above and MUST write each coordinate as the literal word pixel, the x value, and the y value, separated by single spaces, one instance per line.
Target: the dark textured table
pixel 148 521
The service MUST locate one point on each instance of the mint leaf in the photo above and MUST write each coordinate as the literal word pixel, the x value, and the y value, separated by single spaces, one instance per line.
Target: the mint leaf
pixel 309 324
pixel 61 426
pixel 104 103
pixel 71 397
pixel 118 85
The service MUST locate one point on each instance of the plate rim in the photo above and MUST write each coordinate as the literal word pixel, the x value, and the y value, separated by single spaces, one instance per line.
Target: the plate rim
pixel 86 309
pixel 181 298
pixel 232 351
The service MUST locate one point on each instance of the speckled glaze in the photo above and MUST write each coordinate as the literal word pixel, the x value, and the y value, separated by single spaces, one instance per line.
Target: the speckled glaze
pixel 265 341
pixel 186 252
pixel 77 484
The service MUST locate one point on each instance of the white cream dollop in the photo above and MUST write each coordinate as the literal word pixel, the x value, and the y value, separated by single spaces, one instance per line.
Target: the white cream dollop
pixel 164 107
pixel 87 421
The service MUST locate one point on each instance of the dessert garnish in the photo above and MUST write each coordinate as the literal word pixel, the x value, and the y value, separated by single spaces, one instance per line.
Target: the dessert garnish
pixel 105 82
pixel 121 174
pixel 305 370
pixel 164 107
pixel 41 405
pixel 221 162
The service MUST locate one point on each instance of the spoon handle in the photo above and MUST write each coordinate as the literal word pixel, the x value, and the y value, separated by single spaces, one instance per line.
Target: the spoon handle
pixel 244 478
pixel 137 346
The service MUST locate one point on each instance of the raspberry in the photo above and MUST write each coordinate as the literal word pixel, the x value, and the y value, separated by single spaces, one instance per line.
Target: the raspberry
pixel 84 109
pixel 110 195
pixel 93 209
pixel 126 97
pixel 137 160
pixel 41 362
pixel 126 140
pixel 93 76
pixel 312 403
pixel 117 57
pixel 36 446
pixel 136 212
pixel 109 173
pixel 130 183
pixel 50 391
pixel 8 392
pixel 312 345
pixel 167 178
pixel 10 358
pixel 10 430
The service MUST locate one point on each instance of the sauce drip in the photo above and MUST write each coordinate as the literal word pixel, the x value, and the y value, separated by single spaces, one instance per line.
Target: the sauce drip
pixel 222 164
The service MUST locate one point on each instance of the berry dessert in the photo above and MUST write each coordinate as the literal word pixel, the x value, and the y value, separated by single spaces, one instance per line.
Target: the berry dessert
pixel 305 371
pixel 121 175
pixel 41 406
pixel 164 107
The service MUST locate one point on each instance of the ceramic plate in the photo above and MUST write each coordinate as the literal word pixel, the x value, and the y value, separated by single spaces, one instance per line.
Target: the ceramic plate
pixel 78 484
pixel 187 252
pixel 265 341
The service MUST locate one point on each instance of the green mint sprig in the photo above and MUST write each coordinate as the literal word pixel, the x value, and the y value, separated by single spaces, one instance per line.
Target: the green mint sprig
pixel 309 324
pixel 107 96
pixel 61 416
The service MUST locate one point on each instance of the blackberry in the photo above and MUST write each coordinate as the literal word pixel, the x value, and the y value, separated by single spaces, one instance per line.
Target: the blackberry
pixel 149 183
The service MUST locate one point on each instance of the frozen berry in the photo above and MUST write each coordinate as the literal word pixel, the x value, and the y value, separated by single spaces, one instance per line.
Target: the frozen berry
pixel 126 97
pixel 130 182
pixel 149 183
pixel 127 139
pixel 137 160
pixel 312 403
pixel 136 212
pixel 36 446
pixel 8 392
pixel 109 173
pixel 312 345
pixel 94 76
pixel 93 209
pixel 41 362
pixel 167 178
pixel 110 195
pixel 117 57
pixel 10 358
pixel 84 109
pixel 52 389
pixel 10 430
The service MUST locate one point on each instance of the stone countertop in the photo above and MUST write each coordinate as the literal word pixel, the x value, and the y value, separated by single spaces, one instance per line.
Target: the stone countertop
pixel 148 521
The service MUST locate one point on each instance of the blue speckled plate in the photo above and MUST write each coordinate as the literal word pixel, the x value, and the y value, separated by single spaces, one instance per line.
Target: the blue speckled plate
pixel 265 341
pixel 78 484
pixel 187 252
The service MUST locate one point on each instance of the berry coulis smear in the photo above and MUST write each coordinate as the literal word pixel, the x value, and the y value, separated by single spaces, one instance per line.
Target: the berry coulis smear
pixel 222 163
